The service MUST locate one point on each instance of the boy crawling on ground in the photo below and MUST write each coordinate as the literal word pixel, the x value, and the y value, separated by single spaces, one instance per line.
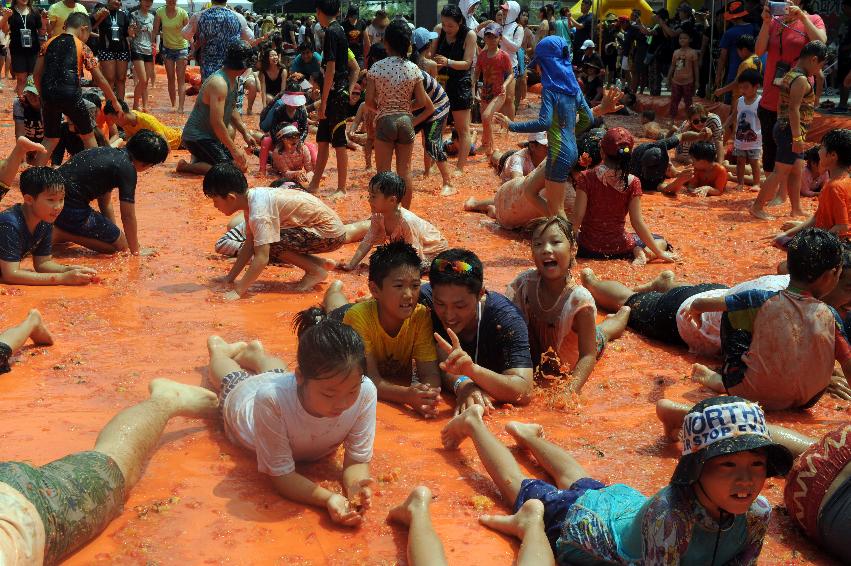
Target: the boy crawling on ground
pixel 710 513
pixel 396 330
pixel 779 347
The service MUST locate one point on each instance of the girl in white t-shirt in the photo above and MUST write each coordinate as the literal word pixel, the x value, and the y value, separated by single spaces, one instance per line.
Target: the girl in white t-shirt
pixel 392 84
pixel 561 315
pixel 289 417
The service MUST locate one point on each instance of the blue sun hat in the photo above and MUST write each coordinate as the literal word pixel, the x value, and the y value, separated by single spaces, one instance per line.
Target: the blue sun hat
pixel 726 425
pixel 552 55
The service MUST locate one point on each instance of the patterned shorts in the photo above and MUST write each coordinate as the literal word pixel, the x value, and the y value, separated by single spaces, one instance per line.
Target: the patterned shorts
pixel 5 354
pixel 76 497
pixel 305 241
pixel 811 476
pixel 106 55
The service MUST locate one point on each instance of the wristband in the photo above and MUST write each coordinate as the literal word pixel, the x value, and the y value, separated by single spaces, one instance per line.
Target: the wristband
pixel 459 382
pixel 799 139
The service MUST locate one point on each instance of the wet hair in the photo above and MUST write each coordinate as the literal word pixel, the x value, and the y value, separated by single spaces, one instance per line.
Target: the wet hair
pixel 326 347
pixel 305 47
pixel 812 156
pixel 264 59
pixel 838 141
pixel 147 147
pixel 239 55
pixel 649 115
pixel 697 108
pixel 540 225
pixel 108 108
pixel 589 142
pixel 77 21
pixel 328 7
pixel 392 256
pixel 453 12
pixel 37 180
pixel 503 159
pixel 812 253
pixel 815 49
pixel 388 184
pixel 703 151
pixel 473 280
pixel 223 179
pixel 398 37
pixel 93 97
pixel 746 41
pixel 750 76
pixel 377 52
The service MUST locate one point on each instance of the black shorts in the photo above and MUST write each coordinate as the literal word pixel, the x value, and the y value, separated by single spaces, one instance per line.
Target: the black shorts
pixel 5 354
pixel 23 62
pixel 208 151
pixel 654 314
pixel 83 220
pixel 141 57
pixel 460 94
pixel 333 128
pixel 75 110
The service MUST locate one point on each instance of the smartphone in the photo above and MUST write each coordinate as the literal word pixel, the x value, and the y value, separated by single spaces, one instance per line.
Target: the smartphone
pixel 778 8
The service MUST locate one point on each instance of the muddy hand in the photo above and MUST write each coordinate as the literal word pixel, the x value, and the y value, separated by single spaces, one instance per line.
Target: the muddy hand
pixel 341 513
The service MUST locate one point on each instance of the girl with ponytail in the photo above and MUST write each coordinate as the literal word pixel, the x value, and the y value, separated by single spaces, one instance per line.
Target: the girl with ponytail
pixel 605 195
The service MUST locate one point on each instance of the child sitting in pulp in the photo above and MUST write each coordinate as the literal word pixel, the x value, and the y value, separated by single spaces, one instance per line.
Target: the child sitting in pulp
pixel 396 330
pixel 650 128
pixel 559 313
pixel 710 513
pixel 290 417
pixel 390 221
pixel 291 157
pixel 704 177
pixel 813 177
pixel 605 195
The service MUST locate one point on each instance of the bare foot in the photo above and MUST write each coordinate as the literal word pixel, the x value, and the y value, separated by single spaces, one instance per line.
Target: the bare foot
pixel 587 277
pixel 27 145
pixel 311 279
pixel 664 281
pixel 448 190
pixel 521 432
pixel 776 201
pixel 40 335
pixel 185 400
pixel 702 374
pixel 755 188
pixel 531 514
pixel 760 214
pixel 181 166
pixel 458 173
pixel 218 344
pixel 739 188
pixel 417 502
pixel 620 320
pixel 247 355
pixel 470 205
pixel 459 427
pixel 798 212
pixel 337 195
pixel 640 257
pixel 671 421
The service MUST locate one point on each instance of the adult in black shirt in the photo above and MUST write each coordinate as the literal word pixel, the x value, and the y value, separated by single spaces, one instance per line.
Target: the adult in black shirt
pixel 289 31
pixel 334 105
pixel 92 175
pixel 24 26
pixel 112 24
pixel 355 30
pixel 484 346
pixel 584 26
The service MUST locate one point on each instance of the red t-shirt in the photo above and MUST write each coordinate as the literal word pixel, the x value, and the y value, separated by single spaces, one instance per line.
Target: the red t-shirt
pixel 794 39
pixel 493 70
pixel 834 203
pixel 715 177
pixel 603 226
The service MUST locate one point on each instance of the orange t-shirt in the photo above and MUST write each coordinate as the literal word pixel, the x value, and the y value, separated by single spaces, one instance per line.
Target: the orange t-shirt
pixel 715 177
pixel 834 204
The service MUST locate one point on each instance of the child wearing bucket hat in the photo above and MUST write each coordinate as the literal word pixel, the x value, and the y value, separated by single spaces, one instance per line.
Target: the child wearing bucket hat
pixel 561 98
pixel 605 196
pixel 711 513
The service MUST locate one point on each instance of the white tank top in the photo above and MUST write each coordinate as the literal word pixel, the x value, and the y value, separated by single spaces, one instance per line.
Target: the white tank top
pixel 748 129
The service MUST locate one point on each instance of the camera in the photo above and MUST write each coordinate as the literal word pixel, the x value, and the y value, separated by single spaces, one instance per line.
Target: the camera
pixel 778 8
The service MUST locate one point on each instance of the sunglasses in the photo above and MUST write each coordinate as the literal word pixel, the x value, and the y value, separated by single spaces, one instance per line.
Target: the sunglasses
pixel 458 266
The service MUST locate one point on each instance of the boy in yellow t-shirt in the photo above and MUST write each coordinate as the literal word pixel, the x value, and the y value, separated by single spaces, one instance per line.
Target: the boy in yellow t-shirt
pixel 131 121
pixel 395 328
pixel 59 12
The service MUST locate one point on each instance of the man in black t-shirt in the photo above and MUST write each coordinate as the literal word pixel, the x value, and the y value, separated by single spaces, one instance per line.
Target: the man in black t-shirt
pixel 355 30
pixel 92 175
pixel 333 109
pixel 289 30
pixel 484 343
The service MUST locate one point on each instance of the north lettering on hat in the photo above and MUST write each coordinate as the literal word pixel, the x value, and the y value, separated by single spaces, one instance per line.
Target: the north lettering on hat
pixel 720 422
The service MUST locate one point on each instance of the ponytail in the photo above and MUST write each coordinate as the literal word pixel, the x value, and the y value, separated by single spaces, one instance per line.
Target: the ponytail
pixel 623 158
pixel 307 319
